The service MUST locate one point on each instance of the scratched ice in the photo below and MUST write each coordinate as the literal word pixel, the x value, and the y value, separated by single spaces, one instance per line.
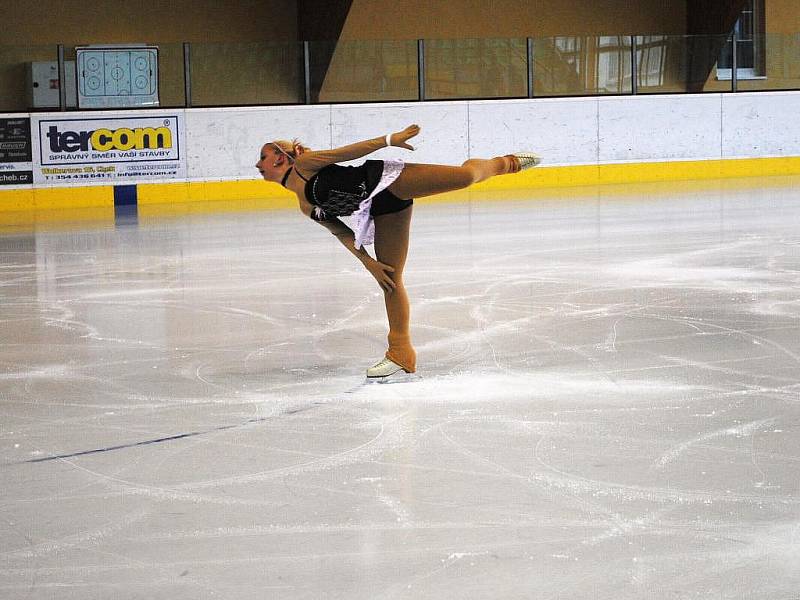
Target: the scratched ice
pixel 608 408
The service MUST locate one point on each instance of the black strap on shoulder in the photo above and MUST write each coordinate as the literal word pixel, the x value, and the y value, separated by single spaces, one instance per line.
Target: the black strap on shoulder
pixel 299 174
pixel 285 177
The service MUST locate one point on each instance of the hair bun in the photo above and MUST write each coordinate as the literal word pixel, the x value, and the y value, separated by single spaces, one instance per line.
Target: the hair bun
pixel 298 148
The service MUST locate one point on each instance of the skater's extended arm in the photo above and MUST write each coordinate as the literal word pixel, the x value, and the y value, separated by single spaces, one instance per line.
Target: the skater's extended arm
pixel 312 161
pixel 344 234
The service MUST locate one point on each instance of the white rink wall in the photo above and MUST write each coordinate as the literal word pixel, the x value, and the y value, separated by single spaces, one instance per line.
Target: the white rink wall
pixel 221 144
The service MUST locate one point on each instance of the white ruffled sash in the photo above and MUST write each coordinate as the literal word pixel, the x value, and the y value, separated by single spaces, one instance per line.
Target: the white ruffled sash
pixel 362 221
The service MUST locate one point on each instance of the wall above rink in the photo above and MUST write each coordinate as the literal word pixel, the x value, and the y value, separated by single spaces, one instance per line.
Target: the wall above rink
pixel 80 159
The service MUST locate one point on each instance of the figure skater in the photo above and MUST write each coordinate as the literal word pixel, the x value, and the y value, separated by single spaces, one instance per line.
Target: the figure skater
pixel 378 196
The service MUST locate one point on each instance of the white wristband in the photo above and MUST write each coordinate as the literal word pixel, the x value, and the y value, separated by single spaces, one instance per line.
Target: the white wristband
pixel 388 139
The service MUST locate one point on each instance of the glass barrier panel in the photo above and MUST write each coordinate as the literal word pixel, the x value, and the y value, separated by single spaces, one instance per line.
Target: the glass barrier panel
pixel 678 64
pixel 320 56
pixel 29 78
pixel 73 76
pixel 581 65
pixel 776 64
pixel 231 74
pixel 171 75
pixel 235 74
pixel 476 68
pixel 365 71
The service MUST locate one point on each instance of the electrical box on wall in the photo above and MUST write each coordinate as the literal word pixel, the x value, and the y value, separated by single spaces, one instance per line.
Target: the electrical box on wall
pixel 42 84
pixel 117 76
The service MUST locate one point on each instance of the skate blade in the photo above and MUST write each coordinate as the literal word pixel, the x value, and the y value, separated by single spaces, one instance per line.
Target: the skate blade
pixel 399 377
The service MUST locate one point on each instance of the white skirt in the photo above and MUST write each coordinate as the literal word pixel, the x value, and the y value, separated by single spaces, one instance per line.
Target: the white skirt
pixel 362 221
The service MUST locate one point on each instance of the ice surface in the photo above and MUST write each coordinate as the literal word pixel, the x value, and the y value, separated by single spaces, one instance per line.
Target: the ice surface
pixel 608 408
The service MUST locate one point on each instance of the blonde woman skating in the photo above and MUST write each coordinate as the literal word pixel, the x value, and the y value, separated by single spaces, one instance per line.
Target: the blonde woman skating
pixel 378 196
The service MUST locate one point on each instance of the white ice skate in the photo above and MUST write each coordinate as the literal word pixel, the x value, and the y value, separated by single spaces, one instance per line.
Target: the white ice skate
pixel 388 371
pixel 385 368
pixel 526 160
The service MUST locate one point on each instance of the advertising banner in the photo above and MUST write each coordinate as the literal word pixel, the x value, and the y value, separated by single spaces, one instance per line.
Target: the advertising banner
pixel 123 149
pixel 16 167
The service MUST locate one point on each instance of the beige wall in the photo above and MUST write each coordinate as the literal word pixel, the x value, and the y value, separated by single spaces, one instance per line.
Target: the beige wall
pixel 255 33
pixel 74 22
pixel 412 19
pixel 260 36
pixel 782 16
pixel 489 68
pixel 782 47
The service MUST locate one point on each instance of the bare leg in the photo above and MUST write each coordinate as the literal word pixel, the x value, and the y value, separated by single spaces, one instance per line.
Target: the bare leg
pixel 418 180
pixel 391 248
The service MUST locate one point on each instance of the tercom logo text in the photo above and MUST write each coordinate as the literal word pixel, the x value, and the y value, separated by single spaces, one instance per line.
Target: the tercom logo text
pixel 104 140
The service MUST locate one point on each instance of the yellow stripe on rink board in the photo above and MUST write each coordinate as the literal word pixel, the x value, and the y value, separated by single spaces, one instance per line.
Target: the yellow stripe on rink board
pixel 196 197
pixel 49 198
pixel 53 198
pixel 16 200
pixel 180 209
pixel 700 169
pixel 760 167
pixel 548 177
pixel 543 177
pixel 247 190
pixel 55 218
pixel 162 193
pixel 258 195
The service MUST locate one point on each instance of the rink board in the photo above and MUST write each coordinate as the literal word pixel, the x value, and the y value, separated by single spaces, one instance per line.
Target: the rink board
pixel 583 142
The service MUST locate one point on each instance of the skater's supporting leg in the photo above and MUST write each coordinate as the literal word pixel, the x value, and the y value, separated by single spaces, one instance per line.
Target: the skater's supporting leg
pixel 391 248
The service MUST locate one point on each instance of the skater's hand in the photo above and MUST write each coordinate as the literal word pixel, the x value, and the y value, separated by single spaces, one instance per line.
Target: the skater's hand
pixel 401 138
pixel 380 272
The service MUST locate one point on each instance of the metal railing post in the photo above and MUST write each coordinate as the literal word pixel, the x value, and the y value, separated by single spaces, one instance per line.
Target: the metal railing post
pixel 187 75
pixel 62 80
pixel 307 71
pixel 529 55
pixel 734 66
pixel 421 68
pixel 634 67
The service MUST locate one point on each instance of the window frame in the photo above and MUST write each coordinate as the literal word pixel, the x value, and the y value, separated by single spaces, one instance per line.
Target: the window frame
pixel 758 70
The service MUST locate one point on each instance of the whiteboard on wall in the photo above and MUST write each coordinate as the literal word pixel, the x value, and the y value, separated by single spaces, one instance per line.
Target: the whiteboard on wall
pixel 117 76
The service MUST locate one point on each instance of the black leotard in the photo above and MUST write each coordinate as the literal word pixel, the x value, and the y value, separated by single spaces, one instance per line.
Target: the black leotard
pixel 338 190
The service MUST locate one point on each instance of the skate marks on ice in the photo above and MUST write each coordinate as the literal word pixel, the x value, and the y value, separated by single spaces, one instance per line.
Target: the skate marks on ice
pixel 278 408
pixel 607 408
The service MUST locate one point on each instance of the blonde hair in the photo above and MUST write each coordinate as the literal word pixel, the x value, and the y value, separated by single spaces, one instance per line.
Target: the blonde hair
pixel 291 149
